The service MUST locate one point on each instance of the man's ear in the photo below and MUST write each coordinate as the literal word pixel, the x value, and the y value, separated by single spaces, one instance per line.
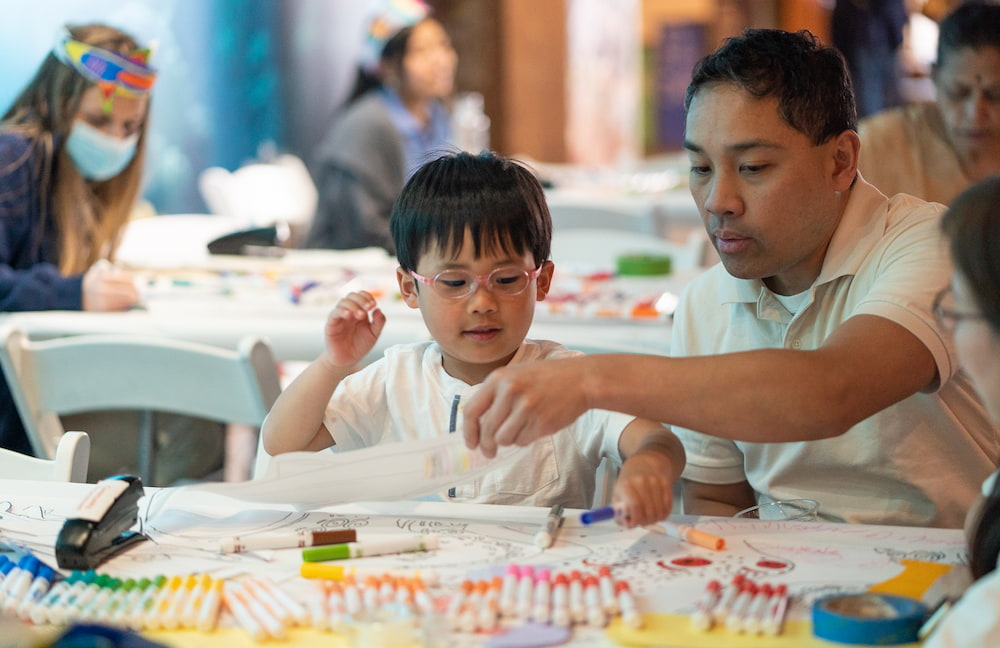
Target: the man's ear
pixel 544 282
pixel 846 148
pixel 407 288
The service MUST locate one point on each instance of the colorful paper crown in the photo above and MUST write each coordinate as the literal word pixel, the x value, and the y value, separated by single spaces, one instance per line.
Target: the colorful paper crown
pixel 112 72
pixel 393 16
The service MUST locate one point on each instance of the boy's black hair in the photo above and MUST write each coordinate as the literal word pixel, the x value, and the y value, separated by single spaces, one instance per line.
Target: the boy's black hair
pixel 974 24
pixel 497 199
pixel 809 79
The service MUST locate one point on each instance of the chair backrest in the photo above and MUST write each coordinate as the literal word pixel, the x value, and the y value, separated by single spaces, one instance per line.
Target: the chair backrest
pixel 72 458
pixel 107 372
pixel 262 193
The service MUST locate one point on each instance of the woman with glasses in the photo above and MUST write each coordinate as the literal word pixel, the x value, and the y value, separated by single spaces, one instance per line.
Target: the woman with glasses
pixel 472 237
pixel 970 308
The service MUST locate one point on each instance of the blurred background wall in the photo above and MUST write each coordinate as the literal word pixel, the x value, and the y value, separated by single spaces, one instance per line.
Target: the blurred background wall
pixel 585 81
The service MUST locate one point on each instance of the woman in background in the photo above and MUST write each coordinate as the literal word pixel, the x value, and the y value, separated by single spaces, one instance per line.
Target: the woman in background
pixel 394 120
pixel 971 308
pixel 71 165
pixel 71 158
pixel 935 150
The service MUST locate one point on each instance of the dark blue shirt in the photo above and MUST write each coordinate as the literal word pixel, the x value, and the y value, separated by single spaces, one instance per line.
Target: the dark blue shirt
pixel 29 277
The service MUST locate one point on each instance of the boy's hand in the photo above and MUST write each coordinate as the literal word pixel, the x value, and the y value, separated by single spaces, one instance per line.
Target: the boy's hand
pixel 643 493
pixel 350 332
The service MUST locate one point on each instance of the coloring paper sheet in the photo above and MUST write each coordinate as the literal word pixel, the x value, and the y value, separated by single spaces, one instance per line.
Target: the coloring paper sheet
pixel 390 471
pixel 667 576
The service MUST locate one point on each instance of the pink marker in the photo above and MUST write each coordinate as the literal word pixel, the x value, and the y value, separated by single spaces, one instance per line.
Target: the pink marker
pixel 702 618
pixel 525 592
pixel 542 609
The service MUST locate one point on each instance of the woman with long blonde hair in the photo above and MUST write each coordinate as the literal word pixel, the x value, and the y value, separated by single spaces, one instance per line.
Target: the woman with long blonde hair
pixel 71 160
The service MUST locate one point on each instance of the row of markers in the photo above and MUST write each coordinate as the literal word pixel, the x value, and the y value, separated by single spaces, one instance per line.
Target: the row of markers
pixel 259 605
pixel 524 594
pixel 742 607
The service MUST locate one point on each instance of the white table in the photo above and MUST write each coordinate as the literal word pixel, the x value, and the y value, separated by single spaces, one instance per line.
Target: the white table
pixel 667 577
pixel 218 300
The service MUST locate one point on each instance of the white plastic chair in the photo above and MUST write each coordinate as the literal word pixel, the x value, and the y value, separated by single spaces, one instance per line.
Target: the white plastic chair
pixel 70 463
pixel 262 193
pixel 107 372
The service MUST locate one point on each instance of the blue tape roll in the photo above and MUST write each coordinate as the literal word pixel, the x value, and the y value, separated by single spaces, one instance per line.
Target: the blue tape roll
pixel 871 619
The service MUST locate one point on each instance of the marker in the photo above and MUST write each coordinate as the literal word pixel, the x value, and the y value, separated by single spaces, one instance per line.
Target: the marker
pixel 20 584
pixel 508 594
pixel 729 595
pixel 753 622
pixel 525 593
pixel 547 534
pixel 686 533
pixel 608 598
pixel 776 613
pixel 239 544
pixel 243 615
pixel 577 607
pixel 560 601
pixel 35 592
pixel 626 602
pixel 598 515
pixel 541 611
pixel 734 622
pixel 208 616
pixel 371 547
pixel 341 572
pixel 596 617
pixel 702 618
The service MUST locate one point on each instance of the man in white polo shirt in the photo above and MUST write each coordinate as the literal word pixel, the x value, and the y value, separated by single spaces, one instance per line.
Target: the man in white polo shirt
pixel 814 366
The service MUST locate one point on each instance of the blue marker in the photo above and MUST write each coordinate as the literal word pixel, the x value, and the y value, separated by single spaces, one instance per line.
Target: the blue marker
pixel 21 576
pixel 598 515
pixel 39 587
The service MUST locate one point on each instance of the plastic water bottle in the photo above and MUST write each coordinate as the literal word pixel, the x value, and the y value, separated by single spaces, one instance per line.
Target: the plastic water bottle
pixel 470 125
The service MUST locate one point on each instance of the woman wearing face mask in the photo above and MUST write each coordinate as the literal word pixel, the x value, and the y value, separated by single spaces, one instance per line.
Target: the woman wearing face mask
pixel 393 122
pixel 71 156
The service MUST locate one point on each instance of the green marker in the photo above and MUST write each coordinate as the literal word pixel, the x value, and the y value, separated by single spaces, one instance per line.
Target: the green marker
pixel 373 547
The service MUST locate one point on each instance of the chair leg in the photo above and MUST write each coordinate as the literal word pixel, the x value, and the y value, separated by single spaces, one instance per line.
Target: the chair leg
pixel 147 446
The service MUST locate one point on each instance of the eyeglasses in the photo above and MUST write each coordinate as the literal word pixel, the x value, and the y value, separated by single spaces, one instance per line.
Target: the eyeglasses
pixel 946 315
pixel 506 281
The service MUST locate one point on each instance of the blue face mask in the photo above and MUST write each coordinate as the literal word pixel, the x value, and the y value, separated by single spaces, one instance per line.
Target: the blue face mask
pixel 97 155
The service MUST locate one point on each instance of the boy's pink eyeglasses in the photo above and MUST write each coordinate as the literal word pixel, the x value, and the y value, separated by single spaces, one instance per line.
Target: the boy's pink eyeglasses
pixel 455 284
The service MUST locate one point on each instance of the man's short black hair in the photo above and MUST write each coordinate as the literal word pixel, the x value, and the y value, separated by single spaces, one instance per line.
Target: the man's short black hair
pixel 809 79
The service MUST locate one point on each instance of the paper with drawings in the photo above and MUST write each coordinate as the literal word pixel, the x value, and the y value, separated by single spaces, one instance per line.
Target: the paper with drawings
pixel 391 471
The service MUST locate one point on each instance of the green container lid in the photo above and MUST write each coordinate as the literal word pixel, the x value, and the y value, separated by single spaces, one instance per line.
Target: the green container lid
pixel 643 265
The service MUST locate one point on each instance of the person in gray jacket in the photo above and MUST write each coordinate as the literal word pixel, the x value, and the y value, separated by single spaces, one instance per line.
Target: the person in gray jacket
pixel 394 121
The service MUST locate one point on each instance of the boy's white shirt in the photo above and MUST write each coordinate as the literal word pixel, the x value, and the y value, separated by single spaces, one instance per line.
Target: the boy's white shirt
pixel 407 395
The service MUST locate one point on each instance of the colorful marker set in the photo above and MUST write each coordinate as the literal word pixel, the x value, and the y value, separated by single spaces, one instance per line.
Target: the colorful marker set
pixel 192 601
pixel 336 601
pixel 524 594
pixel 742 607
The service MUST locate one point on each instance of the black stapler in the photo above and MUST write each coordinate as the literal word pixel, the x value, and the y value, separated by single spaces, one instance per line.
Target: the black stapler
pixel 101 526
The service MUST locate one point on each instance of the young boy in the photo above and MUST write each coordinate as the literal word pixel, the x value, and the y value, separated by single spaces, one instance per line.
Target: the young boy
pixel 472 236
